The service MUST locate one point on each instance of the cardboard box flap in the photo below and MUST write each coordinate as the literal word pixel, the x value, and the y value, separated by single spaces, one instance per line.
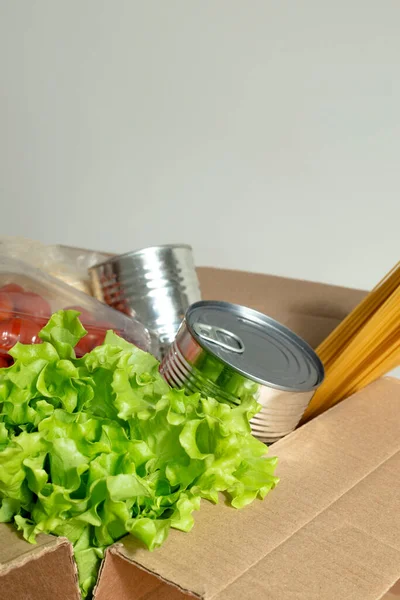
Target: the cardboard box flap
pixel 350 550
pixel 13 547
pixel 41 571
pixel 329 558
pixel 278 293
pixel 338 498
pixel 310 309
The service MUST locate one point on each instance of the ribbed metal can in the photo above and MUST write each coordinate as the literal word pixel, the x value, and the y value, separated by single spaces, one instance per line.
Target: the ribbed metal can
pixel 231 352
pixel 155 285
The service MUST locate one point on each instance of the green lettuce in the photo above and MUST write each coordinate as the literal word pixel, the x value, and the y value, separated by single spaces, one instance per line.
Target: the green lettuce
pixel 96 447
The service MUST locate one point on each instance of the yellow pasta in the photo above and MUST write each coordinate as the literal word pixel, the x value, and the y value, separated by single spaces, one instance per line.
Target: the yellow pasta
pixel 365 346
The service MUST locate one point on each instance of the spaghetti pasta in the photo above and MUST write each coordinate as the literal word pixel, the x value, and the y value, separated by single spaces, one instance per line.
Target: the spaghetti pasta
pixel 365 346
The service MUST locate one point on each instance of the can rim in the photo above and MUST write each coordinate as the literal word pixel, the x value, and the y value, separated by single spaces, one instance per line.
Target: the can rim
pixel 117 257
pixel 309 351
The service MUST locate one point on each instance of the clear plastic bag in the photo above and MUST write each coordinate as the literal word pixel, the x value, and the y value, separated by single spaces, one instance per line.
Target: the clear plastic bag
pixel 29 296
pixel 68 264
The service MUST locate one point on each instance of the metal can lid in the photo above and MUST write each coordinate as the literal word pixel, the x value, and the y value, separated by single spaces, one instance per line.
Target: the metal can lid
pixel 255 345
pixel 162 249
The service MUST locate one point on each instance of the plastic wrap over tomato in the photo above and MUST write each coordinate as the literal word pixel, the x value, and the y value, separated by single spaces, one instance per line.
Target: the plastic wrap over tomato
pixel 28 297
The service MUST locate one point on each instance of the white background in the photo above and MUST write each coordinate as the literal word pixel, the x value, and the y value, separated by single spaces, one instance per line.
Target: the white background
pixel 265 133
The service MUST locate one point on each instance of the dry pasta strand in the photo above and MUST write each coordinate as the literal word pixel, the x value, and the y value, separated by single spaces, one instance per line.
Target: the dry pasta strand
pixel 365 346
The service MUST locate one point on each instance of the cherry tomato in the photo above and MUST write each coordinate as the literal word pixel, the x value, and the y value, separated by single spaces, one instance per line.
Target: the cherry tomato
pixel 124 308
pixel 85 316
pixel 4 362
pixel 93 338
pixel 31 304
pixel 21 330
pixel 6 306
pixel 12 287
pixel 103 326
pixel 41 321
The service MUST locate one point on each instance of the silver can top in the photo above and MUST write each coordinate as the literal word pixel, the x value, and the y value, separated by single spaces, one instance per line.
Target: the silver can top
pixel 158 251
pixel 255 345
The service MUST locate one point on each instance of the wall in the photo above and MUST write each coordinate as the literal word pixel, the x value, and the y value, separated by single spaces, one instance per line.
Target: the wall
pixel 265 133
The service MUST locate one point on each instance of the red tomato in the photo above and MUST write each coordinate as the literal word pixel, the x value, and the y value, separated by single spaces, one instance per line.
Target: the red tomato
pixel 93 338
pixel 123 307
pixel 4 362
pixel 6 306
pixel 12 287
pixel 41 321
pixel 103 326
pixel 85 316
pixel 21 330
pixel 31 304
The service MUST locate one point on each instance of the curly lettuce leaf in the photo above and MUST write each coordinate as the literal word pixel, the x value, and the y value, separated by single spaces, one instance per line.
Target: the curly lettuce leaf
pixel 97 447
pixel 63 331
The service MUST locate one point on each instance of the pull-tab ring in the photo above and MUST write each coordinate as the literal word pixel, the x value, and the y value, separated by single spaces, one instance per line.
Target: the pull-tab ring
pixel 220 337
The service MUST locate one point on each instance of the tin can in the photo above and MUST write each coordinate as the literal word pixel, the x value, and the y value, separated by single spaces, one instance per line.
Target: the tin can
pixel 231 352
pixel 155 285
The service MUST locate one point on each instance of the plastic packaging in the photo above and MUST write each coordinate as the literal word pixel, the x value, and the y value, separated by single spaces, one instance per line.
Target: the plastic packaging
pixel 68 264
pixel 28 297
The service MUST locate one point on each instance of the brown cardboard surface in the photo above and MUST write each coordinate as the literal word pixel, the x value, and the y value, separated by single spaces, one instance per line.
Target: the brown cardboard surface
pixel 393 593
pixel 280 297
pixel 44 571
pixel 310 309
pixel 331 529
pixel 123 580
pixel 13 547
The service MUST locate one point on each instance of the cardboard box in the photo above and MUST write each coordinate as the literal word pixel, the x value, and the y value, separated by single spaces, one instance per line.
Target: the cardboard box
pixel 44 571
pixel 330 530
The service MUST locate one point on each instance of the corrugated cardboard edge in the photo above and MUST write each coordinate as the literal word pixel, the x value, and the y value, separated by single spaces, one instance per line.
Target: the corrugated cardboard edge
pixel 115 550
pixel 44 571
pixel 393 593
pixel 34 553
